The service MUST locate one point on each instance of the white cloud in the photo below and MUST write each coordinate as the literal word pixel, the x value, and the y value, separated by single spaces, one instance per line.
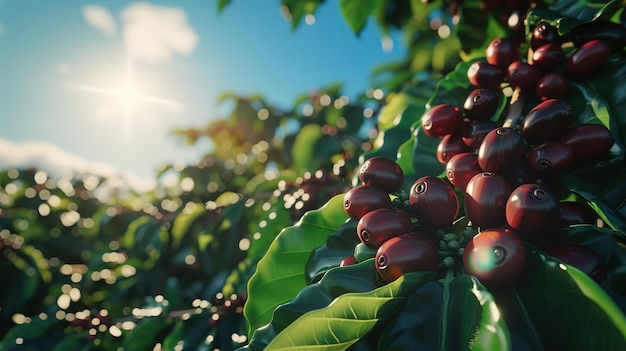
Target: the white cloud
pixel 58 163
pixel 100 18
pixel 155 33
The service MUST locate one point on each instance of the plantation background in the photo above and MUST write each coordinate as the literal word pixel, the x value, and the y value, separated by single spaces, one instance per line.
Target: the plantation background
pixel 88 267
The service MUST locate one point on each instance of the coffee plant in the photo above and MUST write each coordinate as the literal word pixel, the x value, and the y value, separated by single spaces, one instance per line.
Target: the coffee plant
pixel 473 198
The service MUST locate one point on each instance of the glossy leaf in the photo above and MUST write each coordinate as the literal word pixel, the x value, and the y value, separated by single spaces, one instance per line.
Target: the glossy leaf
pixel 568 309
pixel 329 255
pixel 280 273
pixel 349 318
pixel 451 314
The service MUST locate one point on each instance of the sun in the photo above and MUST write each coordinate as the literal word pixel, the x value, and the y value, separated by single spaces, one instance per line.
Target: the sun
pixel 129 96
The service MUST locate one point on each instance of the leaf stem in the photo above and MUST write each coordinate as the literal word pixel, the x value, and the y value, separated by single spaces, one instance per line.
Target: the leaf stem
pixel 515 109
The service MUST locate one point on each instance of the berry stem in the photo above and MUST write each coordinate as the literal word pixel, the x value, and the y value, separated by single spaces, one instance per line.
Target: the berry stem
pixel 515 109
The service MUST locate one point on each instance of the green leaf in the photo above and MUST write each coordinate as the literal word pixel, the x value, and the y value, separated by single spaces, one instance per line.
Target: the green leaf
pixel 183 222
pixel 280 273
pixel 451 314
pixel 356 12
pixel 303 149
pixel 569 310
pixel 146 334
pixel 348 318
pixel 329 255
pixel 425 155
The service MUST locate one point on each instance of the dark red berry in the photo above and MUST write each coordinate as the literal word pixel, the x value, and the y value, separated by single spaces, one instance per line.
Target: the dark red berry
pixel 501 52
pixel 441 120
pixel 485 197
pixel 588 59
pixel 378 226
pixel 551 157
pixel 523 75
pixel 406 253
pixel 485 75
pixel 433 202
pixel 614 34
pixel 589 142
pixel 461 168
pixel 547 121
pixel 501 150
pixel 450 145
pixel 348 261
pixel 481 104
pixel 548 57
pixel 551 86
pixel 363 199
pixel 474 132
pixel 532 211
pixel 383 173
pixel 580 257
pixel 496 257
pixel 544 33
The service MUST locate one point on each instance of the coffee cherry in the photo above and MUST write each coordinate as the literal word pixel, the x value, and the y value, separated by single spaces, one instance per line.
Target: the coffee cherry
pixel 461 168
pixel 551 157
pixel 501 52
pixel 532 211
pixel 580 257
pixel 473 133
pixel 348 261
pixel 548 57
pixel 481 104
pixel 573 213
pixel 523 75
pixel 501 150
pixel 588 59
pixel 377 226
pixel 363 199
pixel 485 75
pixel 496 257
pixel 485 199
pixel 383 173
pixel 589 142
pixel 450 145
pixel 551 86
pixel 406 253
pixel 442 120
pixel 546 121
pixel 544 33
pixel 433 202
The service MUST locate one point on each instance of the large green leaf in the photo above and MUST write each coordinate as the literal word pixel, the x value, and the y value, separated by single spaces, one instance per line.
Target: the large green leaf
pixel 280 273
pixel 356 12
pixel 452 314
pixel 348 318
pixel 329 255
pixel 568 309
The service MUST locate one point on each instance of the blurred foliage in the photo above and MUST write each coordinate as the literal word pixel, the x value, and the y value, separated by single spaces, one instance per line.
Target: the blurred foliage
pixel 92 267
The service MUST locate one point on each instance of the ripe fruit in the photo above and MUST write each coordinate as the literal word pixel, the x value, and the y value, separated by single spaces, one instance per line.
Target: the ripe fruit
pixel 485 75
pixel 406 253
pixel 474 132
pixel 501 150
pixel 551 157
pixel 433 202
pixel 548 57
pixel 551 86
pixel 383 173
pixel 588 59
pixel 580 257
pixel 576 213
pixel 501 52
pixel 495 256
pixel 481 104
pixel 523 75
pixel 348 261
pixel 461 168
pixel 546 121
pixel 485 197
pixel 532 211
pixel 544 33
pixel 442 120
pixel 614 34
pixel 449 146
pixel 377 226
pixel 589 142
pixel 363 199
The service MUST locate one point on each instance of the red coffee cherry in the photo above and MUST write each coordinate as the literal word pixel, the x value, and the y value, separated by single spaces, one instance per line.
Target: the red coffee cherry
pixel 485 199
pixel 588 59
pixel 547 121
pixel 442 120
pixel 474 132
pixel 485 75
pixel 548 57
pixel 450 145
pixel 532 211
pixel 461 168
pixel 544 33
pixel 406 253
pixel 348 261
pixel 523 75
pixel 433 202
pixel 580 257
pixel 501 150
pixel 501 52
pixel 551 157
pixel 481 104
pixel 495 256
pixel 378 226
pixel 363 199
pixel 552 86
pixel 589 142
pixel 383 173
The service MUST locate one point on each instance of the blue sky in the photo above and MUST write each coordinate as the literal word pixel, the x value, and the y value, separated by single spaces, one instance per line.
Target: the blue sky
pixel 64 64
